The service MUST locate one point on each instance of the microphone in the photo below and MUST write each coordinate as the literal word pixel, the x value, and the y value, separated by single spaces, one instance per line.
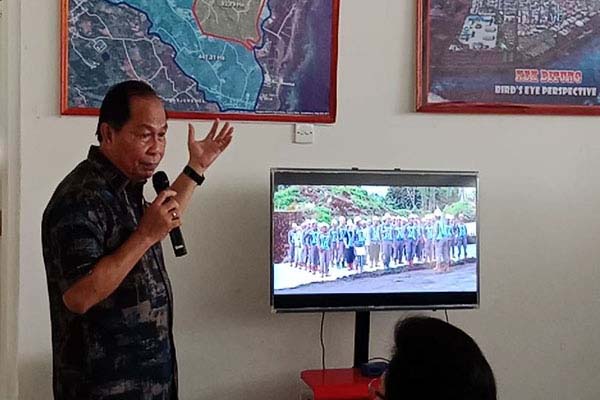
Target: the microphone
pixel 161 182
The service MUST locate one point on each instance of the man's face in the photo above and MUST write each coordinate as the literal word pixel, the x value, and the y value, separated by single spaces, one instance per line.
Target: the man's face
pixel 138 147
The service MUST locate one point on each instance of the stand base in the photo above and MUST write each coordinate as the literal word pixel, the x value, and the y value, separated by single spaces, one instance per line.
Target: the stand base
pixel 337 384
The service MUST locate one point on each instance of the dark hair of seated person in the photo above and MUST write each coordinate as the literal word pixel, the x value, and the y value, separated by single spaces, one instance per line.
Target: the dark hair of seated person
pixel 434 360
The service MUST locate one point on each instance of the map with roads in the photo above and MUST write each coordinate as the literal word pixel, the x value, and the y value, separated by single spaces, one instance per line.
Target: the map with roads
pixel 239 59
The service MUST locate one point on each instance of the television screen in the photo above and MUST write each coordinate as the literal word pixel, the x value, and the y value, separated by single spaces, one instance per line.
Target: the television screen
pixel 368 240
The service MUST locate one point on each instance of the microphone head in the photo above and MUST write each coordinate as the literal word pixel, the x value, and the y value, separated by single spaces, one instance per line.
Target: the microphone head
pixel 160 181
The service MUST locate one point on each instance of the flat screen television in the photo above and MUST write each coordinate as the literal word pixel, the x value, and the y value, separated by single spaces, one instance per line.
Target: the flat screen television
pixel 363 240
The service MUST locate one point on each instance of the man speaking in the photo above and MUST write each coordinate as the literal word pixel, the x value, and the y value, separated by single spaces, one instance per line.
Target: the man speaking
pixel 110 297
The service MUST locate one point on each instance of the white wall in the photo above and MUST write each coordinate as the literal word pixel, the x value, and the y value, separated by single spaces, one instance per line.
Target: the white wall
pixel 539 224
pixel 9 198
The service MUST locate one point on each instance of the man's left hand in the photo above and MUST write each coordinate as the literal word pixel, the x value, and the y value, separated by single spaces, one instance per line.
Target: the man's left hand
pixel 204 152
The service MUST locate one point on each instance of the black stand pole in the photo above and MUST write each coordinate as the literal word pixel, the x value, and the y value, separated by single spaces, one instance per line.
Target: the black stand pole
pixel 362 325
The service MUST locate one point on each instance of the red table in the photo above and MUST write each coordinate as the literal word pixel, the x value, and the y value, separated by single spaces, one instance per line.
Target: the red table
pixel 337 384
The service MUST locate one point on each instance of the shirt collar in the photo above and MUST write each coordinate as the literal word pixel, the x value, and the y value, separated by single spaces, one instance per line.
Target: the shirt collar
pixel 113 175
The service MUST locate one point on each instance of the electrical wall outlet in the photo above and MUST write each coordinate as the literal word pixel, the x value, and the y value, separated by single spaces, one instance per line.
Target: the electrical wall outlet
pixel 304 133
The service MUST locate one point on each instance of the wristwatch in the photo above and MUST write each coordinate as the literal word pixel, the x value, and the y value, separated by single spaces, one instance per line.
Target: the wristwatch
pixel 193 175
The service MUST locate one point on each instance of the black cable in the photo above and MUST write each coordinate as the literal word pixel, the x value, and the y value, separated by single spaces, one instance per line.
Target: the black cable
pixel 446 311
pixel 322 341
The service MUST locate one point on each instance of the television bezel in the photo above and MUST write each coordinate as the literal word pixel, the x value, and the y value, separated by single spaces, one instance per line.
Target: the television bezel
pixel 370 301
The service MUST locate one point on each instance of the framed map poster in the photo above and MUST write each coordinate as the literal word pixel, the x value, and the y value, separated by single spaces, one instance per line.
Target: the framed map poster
pixel 509 56
pixel 266 60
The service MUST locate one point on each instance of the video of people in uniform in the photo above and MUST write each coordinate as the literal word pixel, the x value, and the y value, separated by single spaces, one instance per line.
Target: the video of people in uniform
pixel 374 239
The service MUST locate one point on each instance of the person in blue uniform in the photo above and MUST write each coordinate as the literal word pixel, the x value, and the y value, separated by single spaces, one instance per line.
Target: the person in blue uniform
pixel 450 240
pixel 387 240
pixel 349 240
pixel 313 246
pixel 334 234
pixel 324 244
pixel 375 241
pixel 306 244
pixel 462 237
pixel 428 239
pixel 359 244
pixel 412 235
pixel 341 250
pixel 398 245
pixel 419 248
pixel 297 238
pixel 366 229
pixel 453 239
pixel 440 241
pixel 290 243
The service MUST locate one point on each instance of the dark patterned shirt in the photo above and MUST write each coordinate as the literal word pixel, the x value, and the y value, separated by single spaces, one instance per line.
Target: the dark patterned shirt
pixel 122 348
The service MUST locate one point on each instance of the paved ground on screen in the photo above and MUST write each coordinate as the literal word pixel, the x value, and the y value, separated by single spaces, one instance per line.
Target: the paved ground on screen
pixel 462 277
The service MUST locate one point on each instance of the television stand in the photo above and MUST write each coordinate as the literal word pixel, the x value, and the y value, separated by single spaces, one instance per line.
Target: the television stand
pixel 362 327
pixel 345 383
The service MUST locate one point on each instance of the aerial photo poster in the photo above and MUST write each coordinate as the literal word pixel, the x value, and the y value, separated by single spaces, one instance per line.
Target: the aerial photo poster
pixel 509 56
pixel 273 60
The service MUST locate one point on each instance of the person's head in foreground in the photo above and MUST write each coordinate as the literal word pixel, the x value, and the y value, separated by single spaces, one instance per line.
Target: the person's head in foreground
pixel 434 360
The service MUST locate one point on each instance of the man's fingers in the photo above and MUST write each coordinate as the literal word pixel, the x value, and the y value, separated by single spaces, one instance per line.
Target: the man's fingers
pixel 227 133
pixel 213 130
pixel 176 223
pixel 223 132
pixel 191 134
pixel 224 138
pixel 176 219
pixel 171 205
pixel 162 196
pixel 225 143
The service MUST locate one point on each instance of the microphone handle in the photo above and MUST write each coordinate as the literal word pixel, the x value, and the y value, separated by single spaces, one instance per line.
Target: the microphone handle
pixel 177 242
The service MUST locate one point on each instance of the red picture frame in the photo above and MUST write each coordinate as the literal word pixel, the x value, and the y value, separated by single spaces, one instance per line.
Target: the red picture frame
pixel 473 59
pixel 273 116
